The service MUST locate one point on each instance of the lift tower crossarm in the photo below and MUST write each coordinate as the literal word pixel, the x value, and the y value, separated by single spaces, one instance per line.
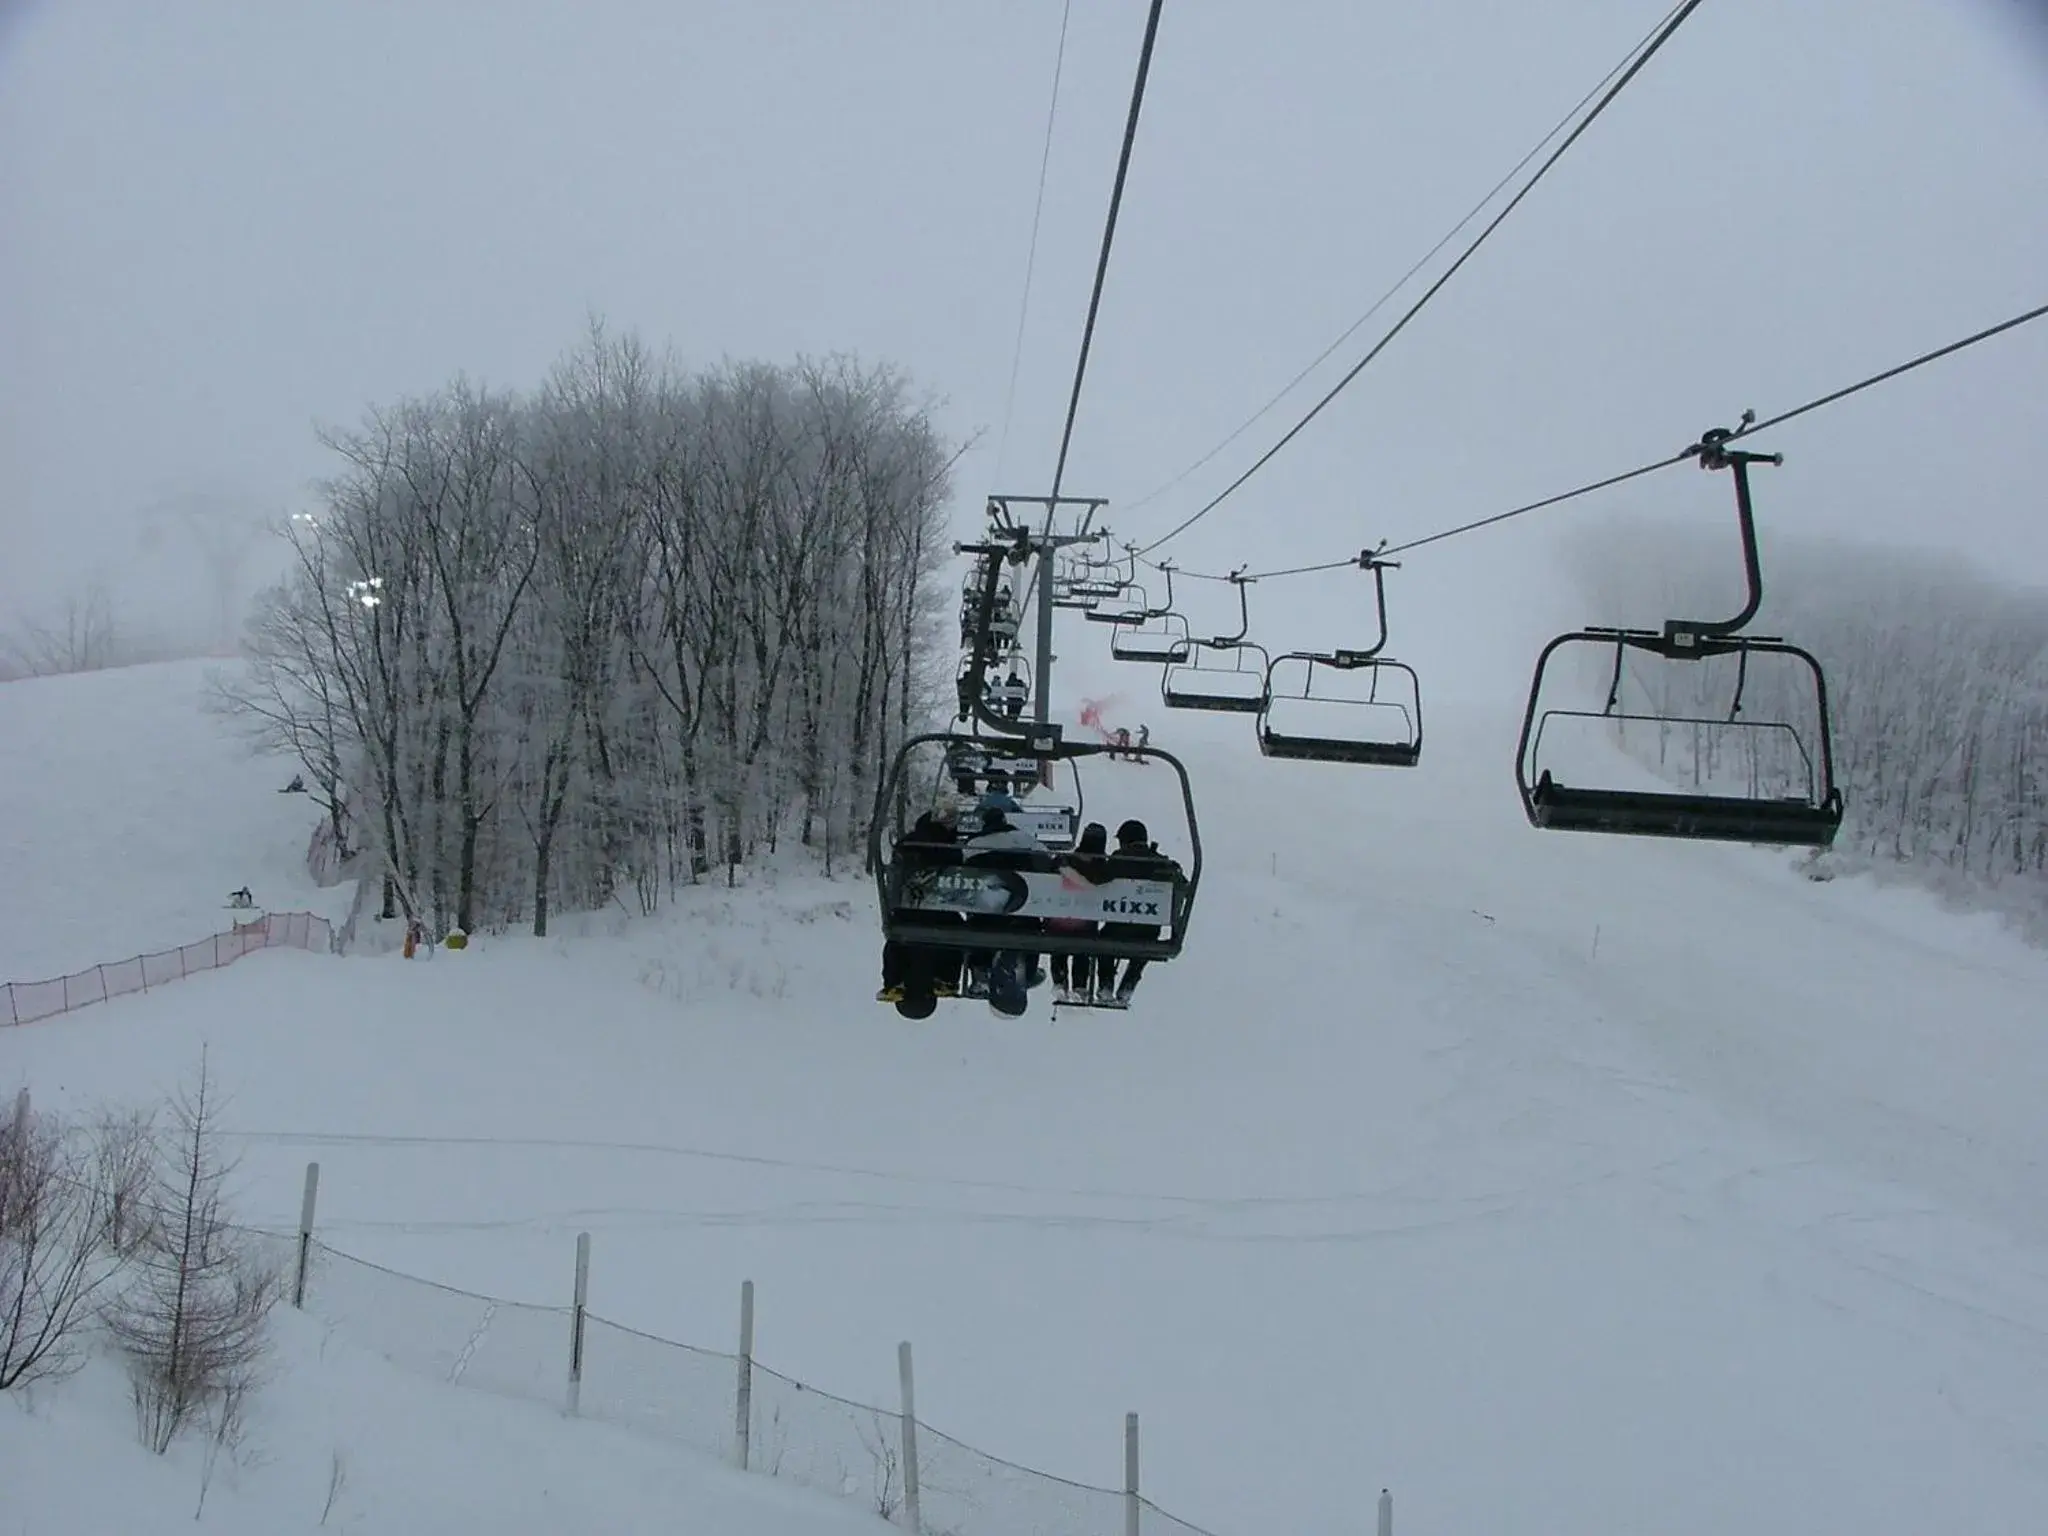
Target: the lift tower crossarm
pixel 1045 545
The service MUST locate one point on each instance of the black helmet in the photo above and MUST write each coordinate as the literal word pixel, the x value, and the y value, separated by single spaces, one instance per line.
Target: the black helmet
pixel 1094 838
pixel 1131 832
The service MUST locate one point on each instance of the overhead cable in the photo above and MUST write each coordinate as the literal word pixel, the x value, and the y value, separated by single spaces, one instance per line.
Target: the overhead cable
pixel 1749 429
pixel 1402 282
pixel 1052 111
pixel 1116 198
pixel 1664 34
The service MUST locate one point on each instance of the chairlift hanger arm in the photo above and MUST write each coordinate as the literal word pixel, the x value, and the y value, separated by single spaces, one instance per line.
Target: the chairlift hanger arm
pixel 1242 582
pixel 1714 453
pixel 1348 659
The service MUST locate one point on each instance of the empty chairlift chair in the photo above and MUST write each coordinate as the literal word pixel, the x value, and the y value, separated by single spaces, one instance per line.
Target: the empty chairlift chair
pixel 1342 707
pixel 1345 706
pixel 1203 681
pixel 1238 689
pixel 1159 640
pixel 1757 768
pixel 1128 604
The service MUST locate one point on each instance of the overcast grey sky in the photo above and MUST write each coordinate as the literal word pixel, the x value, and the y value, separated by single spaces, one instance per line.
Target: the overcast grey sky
pixel 227 219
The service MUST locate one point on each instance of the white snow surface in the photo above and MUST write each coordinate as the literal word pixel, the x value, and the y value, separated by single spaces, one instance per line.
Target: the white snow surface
pixel 1560 1183
pixel 397 1452
pixel 128 813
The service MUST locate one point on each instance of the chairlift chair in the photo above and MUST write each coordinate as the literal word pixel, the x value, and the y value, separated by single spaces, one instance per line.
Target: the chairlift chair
pixel 1239 688
pixel 1382 729
pixel 1126 605
pixel 1346 705
pixel 1134 606
pixel 950 897
pixel 1790 798
pixel 1169 644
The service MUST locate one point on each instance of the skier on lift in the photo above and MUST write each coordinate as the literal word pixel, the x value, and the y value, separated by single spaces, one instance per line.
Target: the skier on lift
pixel 1016 694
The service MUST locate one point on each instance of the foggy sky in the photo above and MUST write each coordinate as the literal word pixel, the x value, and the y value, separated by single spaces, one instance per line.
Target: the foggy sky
pixel 227 221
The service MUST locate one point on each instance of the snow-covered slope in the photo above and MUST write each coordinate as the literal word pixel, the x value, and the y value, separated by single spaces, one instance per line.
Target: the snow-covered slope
pixel 1561 1183
pixel 341 1441
pixel 127 815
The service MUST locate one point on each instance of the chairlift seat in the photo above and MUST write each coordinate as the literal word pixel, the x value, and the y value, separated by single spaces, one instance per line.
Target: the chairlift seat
pixel 1328 749
pixel 1163 650
pixel 1168 645
pixel 1790 823
pixel 1179 695
pixel 1238 690
pixel 1123 614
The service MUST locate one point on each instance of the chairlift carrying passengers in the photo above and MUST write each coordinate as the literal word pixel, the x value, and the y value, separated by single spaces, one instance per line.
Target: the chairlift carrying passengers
pixel 1778 788
pixel 1345 706
pixel 950 896
pixel 1239 688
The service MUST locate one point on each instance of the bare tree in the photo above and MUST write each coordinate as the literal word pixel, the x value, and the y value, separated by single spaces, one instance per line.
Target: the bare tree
pixel 616 632
pixel 51 1261
pixel 192 1321
pixel 123 1151
pixel 82 639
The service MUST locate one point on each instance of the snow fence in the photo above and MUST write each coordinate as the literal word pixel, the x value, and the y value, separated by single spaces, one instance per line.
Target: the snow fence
pixel 24 1002
pixel 728 1406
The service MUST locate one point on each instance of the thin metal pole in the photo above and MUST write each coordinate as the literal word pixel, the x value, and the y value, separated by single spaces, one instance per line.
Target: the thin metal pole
pixel 913 1518
pixel 743 1420
pixel 1132 1503
pixel 1041 675
pixel 306 1207
pixel 576 1319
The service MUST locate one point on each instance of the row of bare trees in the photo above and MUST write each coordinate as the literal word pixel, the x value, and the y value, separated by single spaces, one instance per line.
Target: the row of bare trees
pixel 554 649
pixel 1937 679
